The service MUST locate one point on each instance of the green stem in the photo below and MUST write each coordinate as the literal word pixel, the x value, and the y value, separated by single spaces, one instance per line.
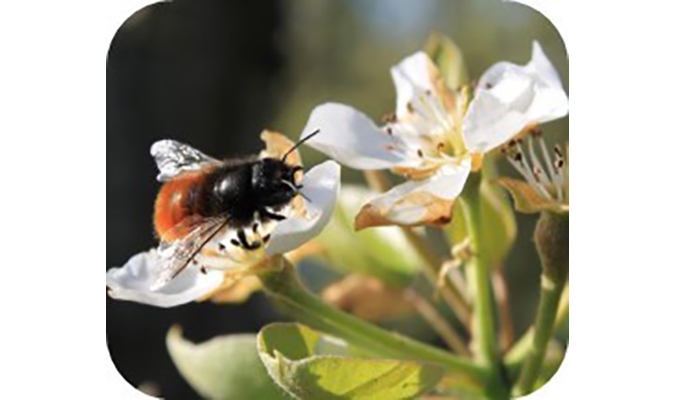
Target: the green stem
pixel 551 293
pixel 283 285
pixel 478 276
pixel 515 358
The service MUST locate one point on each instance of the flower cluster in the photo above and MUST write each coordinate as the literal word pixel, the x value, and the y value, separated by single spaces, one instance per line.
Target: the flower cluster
pixel 438 135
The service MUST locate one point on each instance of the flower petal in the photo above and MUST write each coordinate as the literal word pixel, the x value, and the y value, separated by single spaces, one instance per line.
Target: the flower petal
pixel 321 185
pixel 510 97
pixel 133 281
pixel 411 76
pixel 426 202
pixel 351 138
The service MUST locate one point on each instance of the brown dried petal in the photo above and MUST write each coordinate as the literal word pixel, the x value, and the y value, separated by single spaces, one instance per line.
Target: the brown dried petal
pixel 433 210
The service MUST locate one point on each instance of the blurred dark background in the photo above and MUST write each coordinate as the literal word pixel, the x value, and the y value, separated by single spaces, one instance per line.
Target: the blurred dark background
pixel 215 73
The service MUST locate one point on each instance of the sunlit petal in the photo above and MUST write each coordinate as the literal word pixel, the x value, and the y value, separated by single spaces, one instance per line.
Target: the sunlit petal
pixel 351 138
pixel 133 281
pixel 321 187
pixel 510 97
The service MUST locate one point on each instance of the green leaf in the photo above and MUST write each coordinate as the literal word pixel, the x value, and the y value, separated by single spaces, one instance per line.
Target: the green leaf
pixel 498 224
pixel 310 365
pixel 226 367
pixel 382 253
pixel 449 59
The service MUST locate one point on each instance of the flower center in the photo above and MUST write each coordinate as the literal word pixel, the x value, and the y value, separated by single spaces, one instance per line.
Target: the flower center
pixel 548 176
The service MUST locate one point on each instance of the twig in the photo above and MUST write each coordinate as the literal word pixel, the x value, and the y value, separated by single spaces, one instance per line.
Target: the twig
pixel 438 323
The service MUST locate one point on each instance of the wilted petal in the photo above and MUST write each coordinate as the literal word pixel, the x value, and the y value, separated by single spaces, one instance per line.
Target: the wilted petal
pixel 425 202
pixel 510 97
pixel 351 138
pixel 133 281
pixel 321 185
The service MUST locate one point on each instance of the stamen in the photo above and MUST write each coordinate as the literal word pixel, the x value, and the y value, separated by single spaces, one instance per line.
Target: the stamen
pixel 235 242
pixel 527 172
pixel 538 169
pixel 420 153
pixel 547 158
pixel 221 247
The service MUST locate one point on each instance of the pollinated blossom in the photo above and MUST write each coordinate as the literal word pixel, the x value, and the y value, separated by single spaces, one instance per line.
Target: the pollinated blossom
pixel 220 266
pixel 437 135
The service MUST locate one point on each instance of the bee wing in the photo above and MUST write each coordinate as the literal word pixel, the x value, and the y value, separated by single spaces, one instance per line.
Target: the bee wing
pixel 176 255
pixel 174 158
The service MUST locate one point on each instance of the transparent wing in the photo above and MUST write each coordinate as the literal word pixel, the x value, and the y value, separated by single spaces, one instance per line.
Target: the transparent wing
pixel 177 255
pixel 174 158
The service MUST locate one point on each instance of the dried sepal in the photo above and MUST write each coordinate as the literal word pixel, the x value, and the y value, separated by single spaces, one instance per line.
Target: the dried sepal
pixel 527 200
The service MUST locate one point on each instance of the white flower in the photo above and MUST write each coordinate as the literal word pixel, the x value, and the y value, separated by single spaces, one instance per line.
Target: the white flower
pixel 137 279
pixel 437 137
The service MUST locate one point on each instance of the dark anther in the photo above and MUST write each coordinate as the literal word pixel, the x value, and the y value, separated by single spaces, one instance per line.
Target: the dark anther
pixel 255 245
pixel 489 86
pixel 420 153
pixel 518 157
pixel 390 131
pixel 560 164
pixel 558 151
pixel 221 247
pixel 255 227
pixel 235 242
pixel 391 117
pixel 203 270
pixel 267 238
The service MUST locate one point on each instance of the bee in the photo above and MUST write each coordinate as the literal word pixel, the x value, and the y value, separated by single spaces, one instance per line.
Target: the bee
pixel 202 197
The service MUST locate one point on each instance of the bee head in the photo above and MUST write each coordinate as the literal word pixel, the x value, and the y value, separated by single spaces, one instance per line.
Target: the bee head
pixel 274 181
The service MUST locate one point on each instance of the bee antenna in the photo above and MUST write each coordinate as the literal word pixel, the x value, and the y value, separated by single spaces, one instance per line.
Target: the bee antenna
pixel 300 143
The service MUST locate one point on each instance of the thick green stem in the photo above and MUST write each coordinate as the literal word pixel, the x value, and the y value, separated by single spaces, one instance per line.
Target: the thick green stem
pixel 515 358
pixel 552 240
pixel 483 327
pixel 551 293
pixel 282 284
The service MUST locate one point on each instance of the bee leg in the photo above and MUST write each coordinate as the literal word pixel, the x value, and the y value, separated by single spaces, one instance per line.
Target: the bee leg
pixel 276 217
pixel 243 239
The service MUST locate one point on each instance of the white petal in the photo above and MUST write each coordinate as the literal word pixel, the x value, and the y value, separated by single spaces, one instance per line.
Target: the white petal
pixel 351 138
pixel 133 281
pixel 447 184
pixel 321 185
pixel 510 97
pixel 411 76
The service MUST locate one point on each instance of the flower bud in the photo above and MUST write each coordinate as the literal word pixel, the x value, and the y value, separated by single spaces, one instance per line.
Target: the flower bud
pixel 552 239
